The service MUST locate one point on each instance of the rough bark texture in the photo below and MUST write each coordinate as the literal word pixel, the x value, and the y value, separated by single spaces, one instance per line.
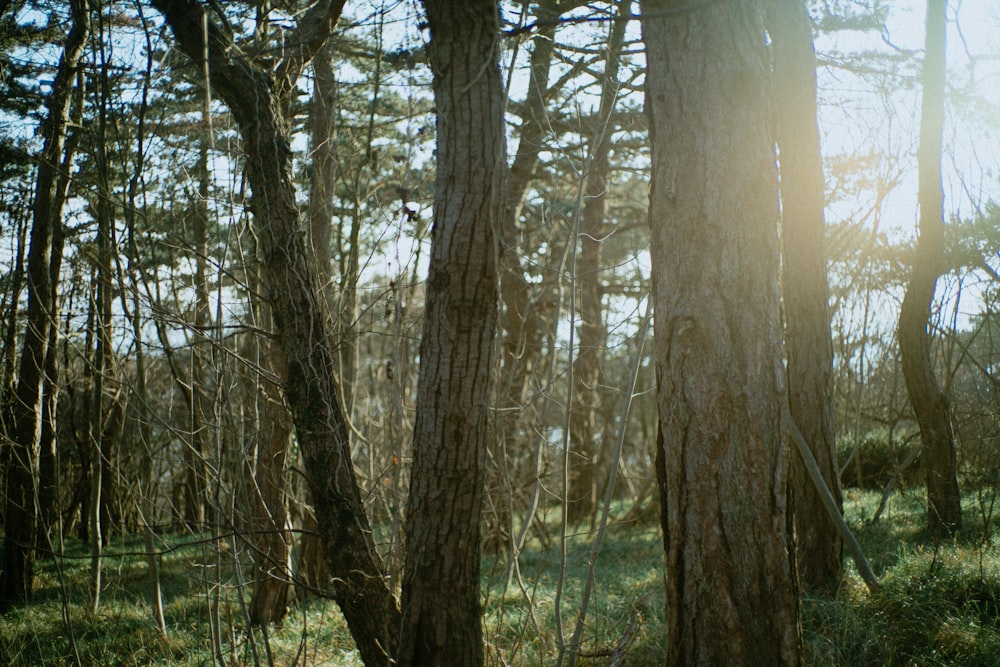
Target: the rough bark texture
pixel 440 595
pixel 23 429
pixel 944 508
pixel 731 589
pixel 808 345
pixel 323 157
pixel 303 330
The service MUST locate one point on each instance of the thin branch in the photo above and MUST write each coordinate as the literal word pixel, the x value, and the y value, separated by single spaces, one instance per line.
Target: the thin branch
pixel 864 568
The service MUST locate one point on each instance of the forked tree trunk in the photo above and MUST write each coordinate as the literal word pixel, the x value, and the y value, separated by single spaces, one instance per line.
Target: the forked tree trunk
pixel 808 345
pixel 441 595
pixel 303 327
pixel 731 589
pixel 944 502
pixel 23 429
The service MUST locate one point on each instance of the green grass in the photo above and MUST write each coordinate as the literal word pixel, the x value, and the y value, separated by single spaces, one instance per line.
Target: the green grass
pixel 626 604
pixel 121 632
pixel 939 603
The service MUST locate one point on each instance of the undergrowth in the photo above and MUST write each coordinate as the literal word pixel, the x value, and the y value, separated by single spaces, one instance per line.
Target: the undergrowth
pixel 939 603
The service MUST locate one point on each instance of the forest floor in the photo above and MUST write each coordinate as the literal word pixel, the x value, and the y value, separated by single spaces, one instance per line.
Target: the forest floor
pixel 939 603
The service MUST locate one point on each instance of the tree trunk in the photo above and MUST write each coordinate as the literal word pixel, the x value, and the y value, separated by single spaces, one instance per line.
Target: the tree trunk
pixel 271 539
pixel 441 596
pixel 520 322
pixel 303 324
pixel 808 344
pixel 587 383
pixel 731 589
pixel 520 337
pixel 24 429
pixel 944 502
pixel 48 473
pixel 145 500
pixel 312 570
pixel 323 136
pixel 101 368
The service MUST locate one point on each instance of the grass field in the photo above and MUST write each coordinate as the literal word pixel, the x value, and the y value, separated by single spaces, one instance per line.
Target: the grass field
pixel 939 604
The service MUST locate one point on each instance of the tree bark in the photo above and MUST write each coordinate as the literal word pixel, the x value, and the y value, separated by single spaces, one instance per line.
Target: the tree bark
pixel 440 594
pixel 323 153
pixel 47 457
pixel 930 405
pixel 26 411
pixel 271 539
pixel 731 588
pixel 312 572
pixel 303 330
pixel 200 398
pixel 808 344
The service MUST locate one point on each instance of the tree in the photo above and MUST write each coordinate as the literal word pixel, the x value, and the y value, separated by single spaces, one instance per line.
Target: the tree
pixel 302 320
pixel 520 321
pixel 440 595
pixel 312 571
pixel 731 589
pixel 581 497
pixel 930 404
pixel 808 346
pixel 23 423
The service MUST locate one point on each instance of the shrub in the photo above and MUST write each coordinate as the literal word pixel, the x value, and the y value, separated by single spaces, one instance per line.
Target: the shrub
pixel 879 453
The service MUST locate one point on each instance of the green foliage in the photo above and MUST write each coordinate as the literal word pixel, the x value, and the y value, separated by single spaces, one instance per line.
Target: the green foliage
pixel 878 454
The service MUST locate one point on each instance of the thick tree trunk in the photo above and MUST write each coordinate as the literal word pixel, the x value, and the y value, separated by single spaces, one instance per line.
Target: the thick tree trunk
pixel 808 345
pixel 944 502
pixel 23 430
pixel 441 597
pixel 732 595
pixel 303 327
pixel 47 457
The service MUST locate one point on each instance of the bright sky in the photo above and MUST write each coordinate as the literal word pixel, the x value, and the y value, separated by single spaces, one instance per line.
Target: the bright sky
pixel 871 121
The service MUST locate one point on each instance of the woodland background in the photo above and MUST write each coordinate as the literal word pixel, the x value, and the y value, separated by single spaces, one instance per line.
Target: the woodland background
pixel 161 397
